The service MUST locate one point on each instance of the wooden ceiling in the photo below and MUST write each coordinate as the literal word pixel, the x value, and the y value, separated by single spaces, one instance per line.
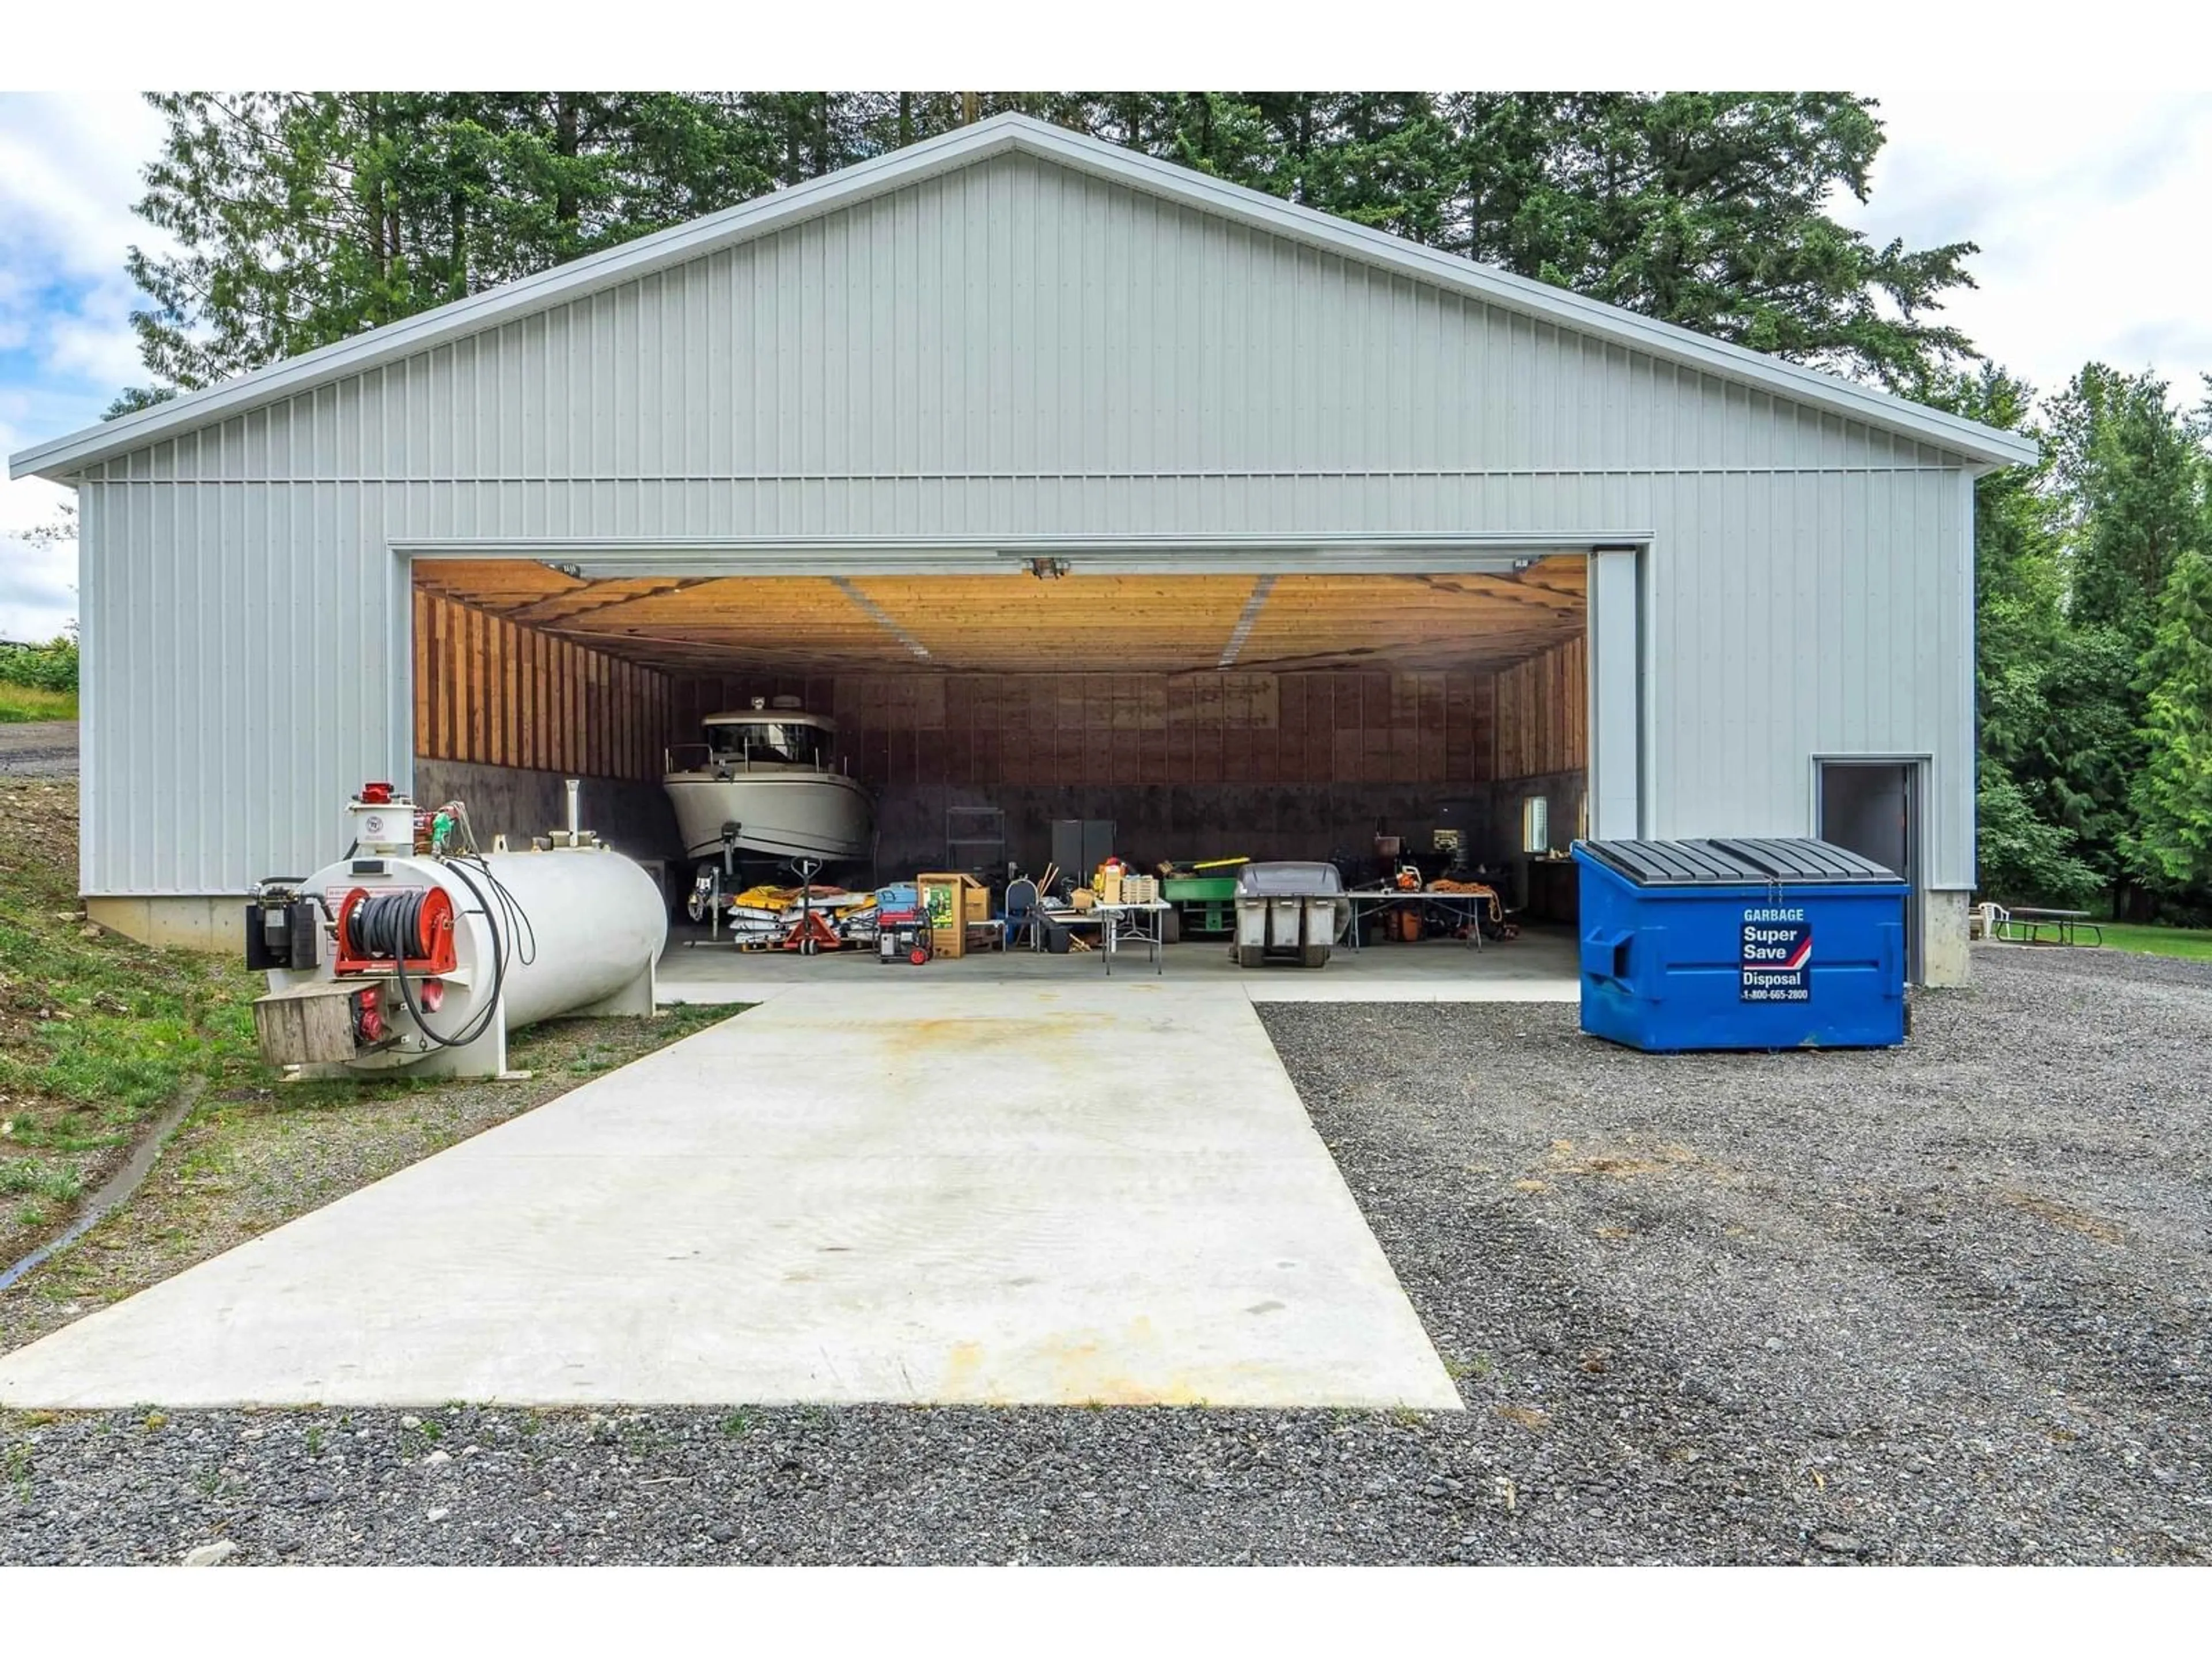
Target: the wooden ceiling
pixel 1016 624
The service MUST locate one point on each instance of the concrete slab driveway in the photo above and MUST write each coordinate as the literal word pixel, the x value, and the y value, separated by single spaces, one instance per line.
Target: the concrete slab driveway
pixel 996 1193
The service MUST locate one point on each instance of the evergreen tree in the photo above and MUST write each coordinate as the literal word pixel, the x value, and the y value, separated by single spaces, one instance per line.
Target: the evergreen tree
pixel 2172 793
pixel 2019 854
pixel 1388 160
pixel 2088 749
pixel 2132 467
pixel 305 217
pixel 2027 820
pixel 1709 209
pixel 2128 472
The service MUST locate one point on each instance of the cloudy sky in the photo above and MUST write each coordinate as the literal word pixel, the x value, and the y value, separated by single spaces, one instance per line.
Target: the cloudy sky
pixel 2094 233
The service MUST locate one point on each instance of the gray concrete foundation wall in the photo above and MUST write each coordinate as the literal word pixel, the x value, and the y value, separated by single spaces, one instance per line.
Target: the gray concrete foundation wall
pixel 508 800
pixel 1944 957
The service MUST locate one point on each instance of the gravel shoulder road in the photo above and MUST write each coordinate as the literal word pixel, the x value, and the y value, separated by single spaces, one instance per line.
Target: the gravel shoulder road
pixel 38 749
pixel 1949 1304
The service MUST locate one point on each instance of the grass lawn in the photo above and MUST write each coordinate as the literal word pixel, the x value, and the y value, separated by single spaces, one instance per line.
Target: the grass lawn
pixel 97 1033
pixel 2159 941
pixel 21 704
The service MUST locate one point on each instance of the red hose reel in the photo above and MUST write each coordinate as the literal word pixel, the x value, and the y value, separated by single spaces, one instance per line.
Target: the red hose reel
pixel 429 952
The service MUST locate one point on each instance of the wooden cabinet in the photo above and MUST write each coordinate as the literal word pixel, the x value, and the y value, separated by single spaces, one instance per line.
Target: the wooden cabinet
pixel 1554 891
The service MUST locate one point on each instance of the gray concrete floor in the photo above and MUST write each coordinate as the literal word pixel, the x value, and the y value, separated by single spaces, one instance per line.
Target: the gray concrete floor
pixel 1538 967
pixel 1063 1192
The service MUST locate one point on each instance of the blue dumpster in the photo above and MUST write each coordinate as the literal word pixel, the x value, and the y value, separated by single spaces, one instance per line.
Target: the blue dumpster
pixel 1745 944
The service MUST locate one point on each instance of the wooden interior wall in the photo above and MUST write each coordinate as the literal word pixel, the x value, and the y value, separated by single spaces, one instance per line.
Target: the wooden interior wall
pixel 502 694
pixel 1542 714
pixel 1317 727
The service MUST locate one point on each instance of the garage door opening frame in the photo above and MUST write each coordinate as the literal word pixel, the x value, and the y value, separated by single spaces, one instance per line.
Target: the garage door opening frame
pixel 1617 712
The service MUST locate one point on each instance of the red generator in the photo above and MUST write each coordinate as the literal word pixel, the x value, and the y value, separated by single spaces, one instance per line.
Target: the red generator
pixel 902 936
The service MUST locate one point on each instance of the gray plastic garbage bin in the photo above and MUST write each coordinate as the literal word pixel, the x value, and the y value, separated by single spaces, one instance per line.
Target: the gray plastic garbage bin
pixel 1287 913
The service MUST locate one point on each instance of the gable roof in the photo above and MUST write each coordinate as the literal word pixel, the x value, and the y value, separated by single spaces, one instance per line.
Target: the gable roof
pixel 1984 447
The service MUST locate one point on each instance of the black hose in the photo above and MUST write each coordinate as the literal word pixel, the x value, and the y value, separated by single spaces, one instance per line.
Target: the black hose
pixel 384 925
pixel 390 925
pixel 518 924
pixel 490 1010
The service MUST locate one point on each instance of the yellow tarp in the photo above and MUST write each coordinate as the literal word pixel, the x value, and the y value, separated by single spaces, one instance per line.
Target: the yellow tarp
pixel 835 900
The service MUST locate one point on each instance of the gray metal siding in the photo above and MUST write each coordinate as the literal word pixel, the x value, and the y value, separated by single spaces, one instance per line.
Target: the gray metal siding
pixel 1795 617
pixel 1015 348
pixel 1020 322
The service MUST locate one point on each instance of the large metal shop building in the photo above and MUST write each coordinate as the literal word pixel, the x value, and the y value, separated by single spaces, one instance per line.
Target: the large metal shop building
pixel 1073 483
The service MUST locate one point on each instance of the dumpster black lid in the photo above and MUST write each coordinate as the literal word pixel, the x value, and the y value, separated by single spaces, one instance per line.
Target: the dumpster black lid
pixel 1735 863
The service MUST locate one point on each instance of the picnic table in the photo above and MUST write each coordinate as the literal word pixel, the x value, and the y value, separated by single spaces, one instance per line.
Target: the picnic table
pixel 2023 924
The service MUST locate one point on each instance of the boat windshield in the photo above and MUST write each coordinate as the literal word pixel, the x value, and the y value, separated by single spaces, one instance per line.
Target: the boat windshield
pixel 770 742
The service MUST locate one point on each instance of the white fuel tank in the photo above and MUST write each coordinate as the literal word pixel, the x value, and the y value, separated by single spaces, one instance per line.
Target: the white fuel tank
pixel 594 917
pixel 548 933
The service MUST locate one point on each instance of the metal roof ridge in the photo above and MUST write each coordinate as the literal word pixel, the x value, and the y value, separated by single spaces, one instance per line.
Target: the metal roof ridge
pixel 765 214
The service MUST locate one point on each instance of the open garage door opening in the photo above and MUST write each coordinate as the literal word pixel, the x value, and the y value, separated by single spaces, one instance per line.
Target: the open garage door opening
pixel 1436 720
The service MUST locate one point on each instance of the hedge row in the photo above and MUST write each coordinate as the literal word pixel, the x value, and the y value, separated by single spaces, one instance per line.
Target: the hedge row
pixel 51 667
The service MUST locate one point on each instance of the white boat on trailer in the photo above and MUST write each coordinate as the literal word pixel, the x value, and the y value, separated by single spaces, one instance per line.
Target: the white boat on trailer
pixel 763 787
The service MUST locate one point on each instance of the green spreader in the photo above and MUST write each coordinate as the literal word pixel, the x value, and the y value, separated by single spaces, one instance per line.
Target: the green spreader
pixel 1206 904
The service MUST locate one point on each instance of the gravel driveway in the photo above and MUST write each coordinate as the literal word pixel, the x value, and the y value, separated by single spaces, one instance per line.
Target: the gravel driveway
pixel 1949 1304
